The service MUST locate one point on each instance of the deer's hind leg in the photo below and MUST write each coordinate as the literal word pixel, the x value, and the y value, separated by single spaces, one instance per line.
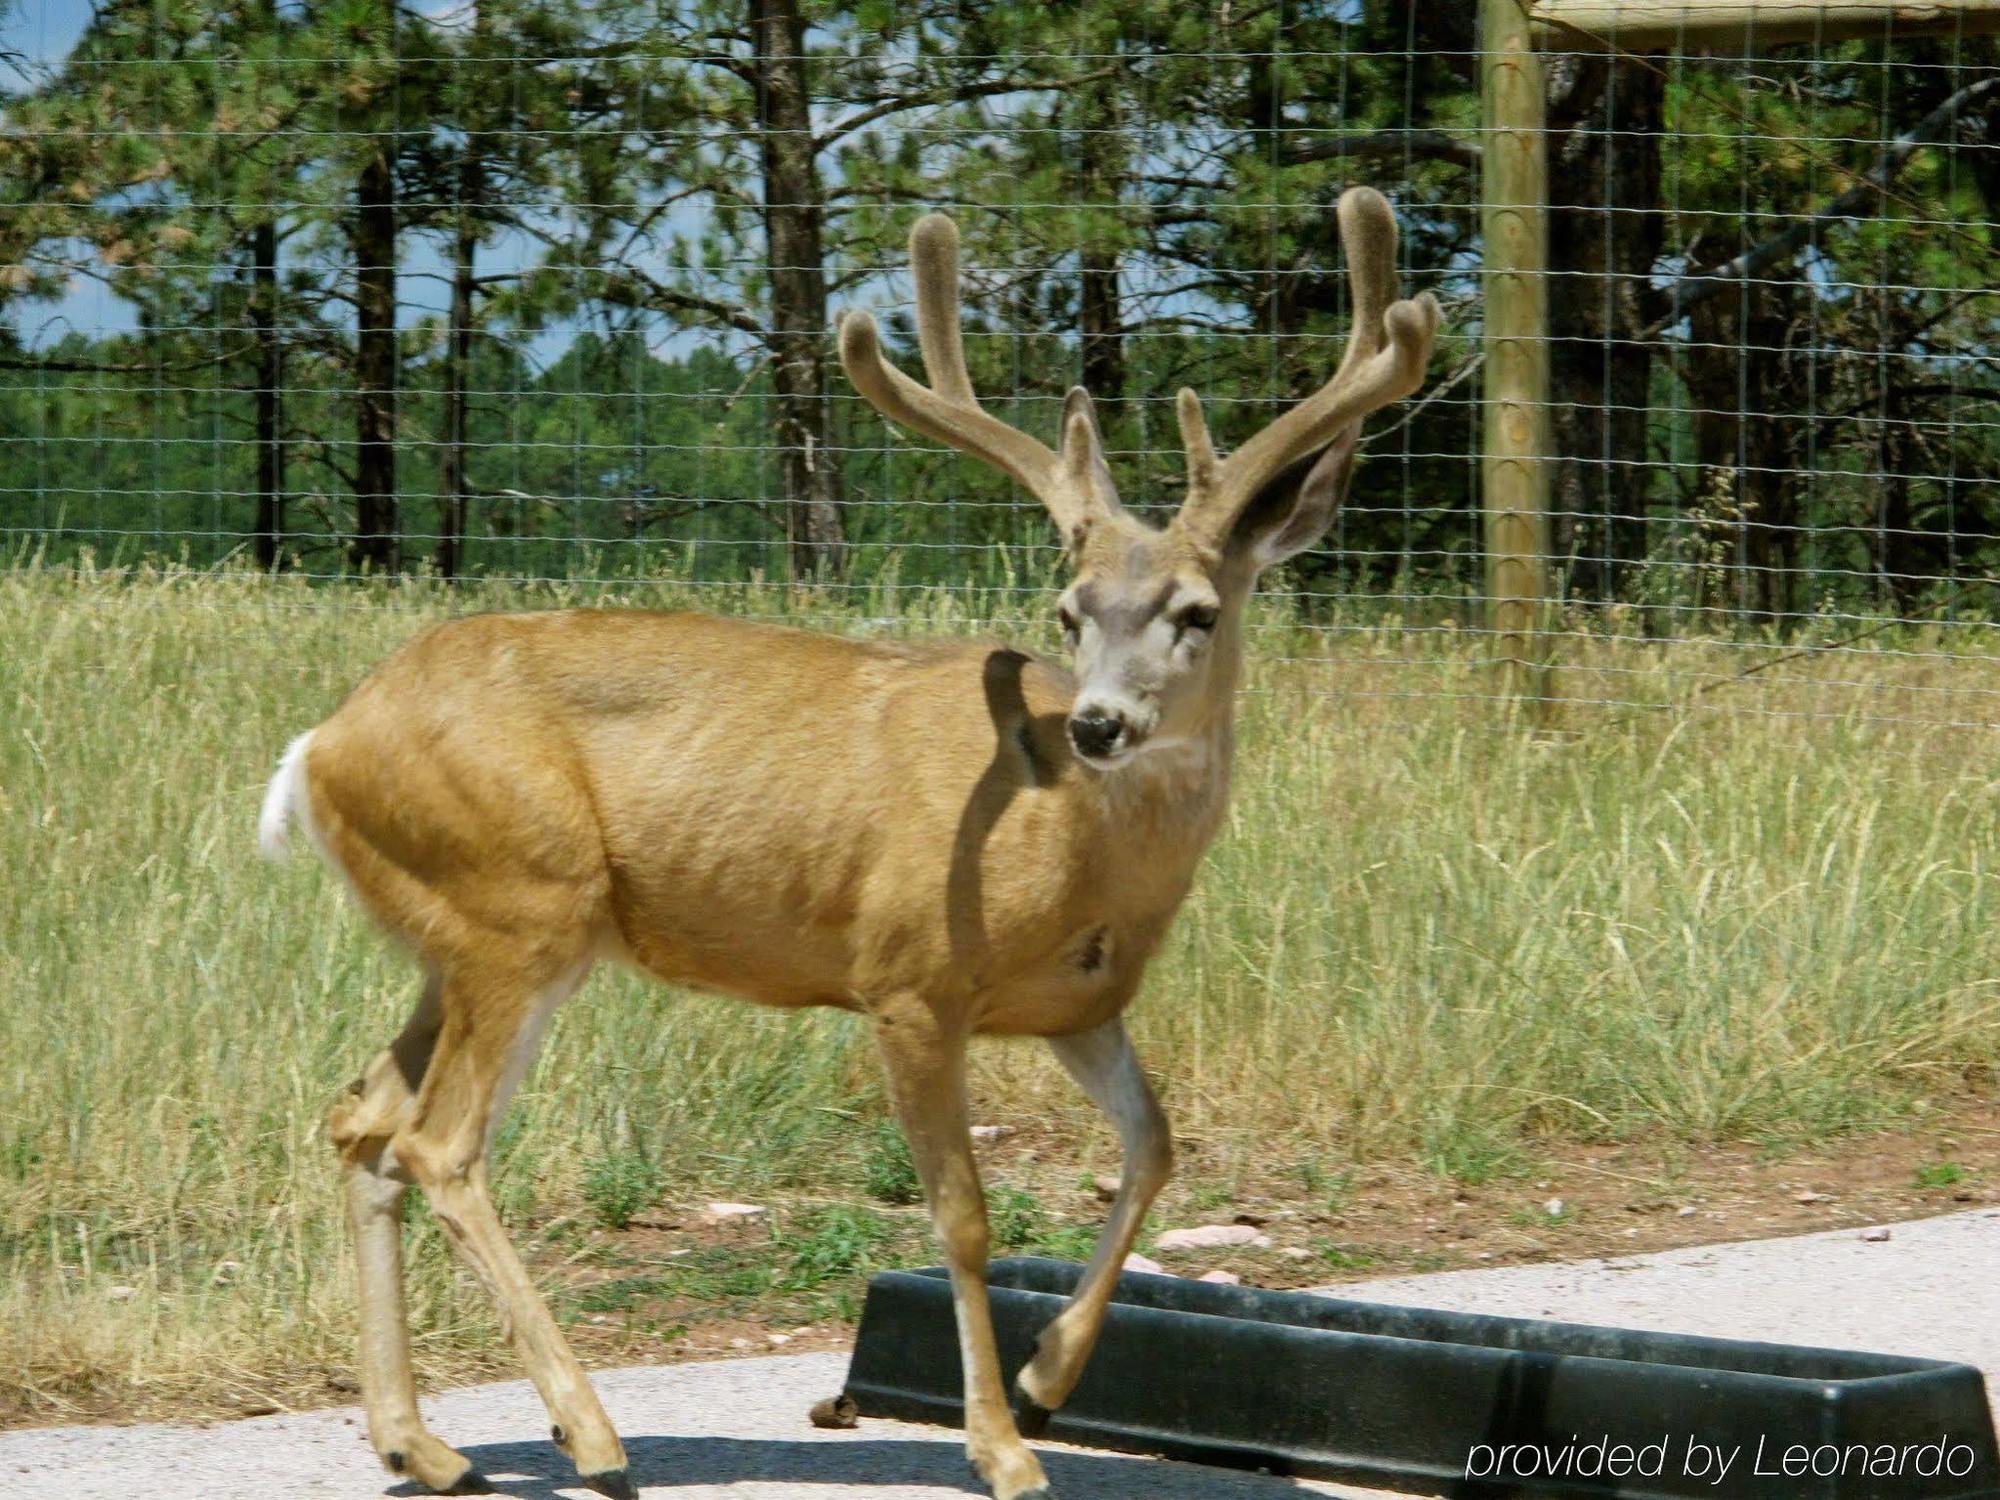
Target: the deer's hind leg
pixel 494 1009
pixel 361 1124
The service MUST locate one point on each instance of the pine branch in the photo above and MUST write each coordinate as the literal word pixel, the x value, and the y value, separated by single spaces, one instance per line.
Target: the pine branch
pixel 1862 201
pixel 1433 145
pixel 945 95
pixel 144 367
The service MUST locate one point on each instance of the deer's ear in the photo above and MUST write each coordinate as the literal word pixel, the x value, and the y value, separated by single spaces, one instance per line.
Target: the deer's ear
pixel 1273 530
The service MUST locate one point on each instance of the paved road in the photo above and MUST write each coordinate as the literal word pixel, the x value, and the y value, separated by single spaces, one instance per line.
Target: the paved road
pixel 738 1428
pixel 734 1429
pixel 1931 1289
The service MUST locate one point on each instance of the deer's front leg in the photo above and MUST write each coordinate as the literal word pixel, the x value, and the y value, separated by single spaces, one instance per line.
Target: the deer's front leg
pixel 925 1058
pixel 1103 1063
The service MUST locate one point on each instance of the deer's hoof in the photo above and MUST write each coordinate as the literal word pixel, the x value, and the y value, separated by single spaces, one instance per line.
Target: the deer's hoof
pixel 615 1483
pixel 436 1467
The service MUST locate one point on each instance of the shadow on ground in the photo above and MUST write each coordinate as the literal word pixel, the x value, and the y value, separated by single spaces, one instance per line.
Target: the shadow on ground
pixel 538 1471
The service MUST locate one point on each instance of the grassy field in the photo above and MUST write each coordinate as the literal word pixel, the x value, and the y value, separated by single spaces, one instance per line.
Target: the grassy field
pixel 1431 936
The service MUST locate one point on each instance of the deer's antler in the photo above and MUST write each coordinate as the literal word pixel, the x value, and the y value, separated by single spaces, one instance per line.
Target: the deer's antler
pixel 1071 483
pixel 1387 350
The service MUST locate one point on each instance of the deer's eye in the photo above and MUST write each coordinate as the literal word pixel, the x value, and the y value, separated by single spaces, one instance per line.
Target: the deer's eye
pixel 1196 617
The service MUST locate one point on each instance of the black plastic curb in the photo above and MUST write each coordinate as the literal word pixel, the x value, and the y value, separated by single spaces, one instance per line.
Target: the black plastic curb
pixel 1447 1403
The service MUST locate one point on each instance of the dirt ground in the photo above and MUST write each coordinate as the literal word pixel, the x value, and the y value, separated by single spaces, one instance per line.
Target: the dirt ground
pixel 1369 1222
pixel 677 1285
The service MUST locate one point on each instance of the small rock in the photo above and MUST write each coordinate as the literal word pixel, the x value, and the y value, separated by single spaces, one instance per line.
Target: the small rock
pixel 1484 1255
pixel 599 1318
pixel 734 1213
pixel 341 1380
pixel 779 1338
pixel 1876 1235
pixel 1255 1221
pixel 1221 1278
pixel 1686 1213
pixel 1554 1208
pixel 1293 1252
pixel 120 1294
pixel 1206 1236
pixel 739 1343
pixel 226 1271
pixel 1807 1195
pixel 257 1409
pixel 991 1133
pixel 1107 1188
pixel 1632 1233
pixel 836 1412
pixel 1138 1262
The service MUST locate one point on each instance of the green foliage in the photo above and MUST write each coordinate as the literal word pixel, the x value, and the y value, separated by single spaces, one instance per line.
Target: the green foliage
pixel 1469 1153
pixel 838 1241
pixel 1066 1241
pixel 1343 1257
pixel 1334 1190
pixel 1205 1197
pixel 1942 1174
pixel 1152 179
pixel 619 1186
pixel 1015 1217
pixel 887 1172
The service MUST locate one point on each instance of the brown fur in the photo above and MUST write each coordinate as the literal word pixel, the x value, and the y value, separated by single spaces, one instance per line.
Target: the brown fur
pixel 840 821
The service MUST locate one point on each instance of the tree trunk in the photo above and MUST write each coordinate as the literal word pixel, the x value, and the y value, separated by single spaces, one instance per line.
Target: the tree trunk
pixel 1896 560
pixel 1739 368
pixel 793 227
pixel 1100 316
pixel 373 238
pixel 270 526
pixel 1604 238
pixel 1102 327
pixel 1901 556
pixel 1282 310
pixel 458 370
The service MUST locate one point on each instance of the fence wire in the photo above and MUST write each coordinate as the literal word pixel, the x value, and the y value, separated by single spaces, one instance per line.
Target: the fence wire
pixel 538 289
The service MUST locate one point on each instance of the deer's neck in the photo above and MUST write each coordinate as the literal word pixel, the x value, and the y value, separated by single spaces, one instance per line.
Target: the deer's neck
pixel 1174 797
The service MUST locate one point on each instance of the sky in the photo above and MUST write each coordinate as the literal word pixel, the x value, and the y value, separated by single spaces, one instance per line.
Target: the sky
pixel 35 36
pixel 40 32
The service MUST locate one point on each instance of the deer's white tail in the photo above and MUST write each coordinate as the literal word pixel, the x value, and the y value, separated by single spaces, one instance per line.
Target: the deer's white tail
pixel 285 801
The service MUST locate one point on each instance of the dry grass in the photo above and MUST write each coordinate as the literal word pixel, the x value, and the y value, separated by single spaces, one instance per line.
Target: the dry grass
pixel 1430 936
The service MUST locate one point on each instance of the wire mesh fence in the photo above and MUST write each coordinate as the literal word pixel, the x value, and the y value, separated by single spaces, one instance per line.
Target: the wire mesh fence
pixel 540 289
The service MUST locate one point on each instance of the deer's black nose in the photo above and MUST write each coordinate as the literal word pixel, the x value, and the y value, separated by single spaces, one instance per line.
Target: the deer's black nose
pixel 1095 734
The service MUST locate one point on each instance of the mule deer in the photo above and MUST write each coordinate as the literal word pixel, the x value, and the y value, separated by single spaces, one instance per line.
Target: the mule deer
pixel 949 839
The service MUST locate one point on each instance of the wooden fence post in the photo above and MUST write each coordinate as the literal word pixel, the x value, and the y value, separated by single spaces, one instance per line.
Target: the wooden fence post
pixel 1514 476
